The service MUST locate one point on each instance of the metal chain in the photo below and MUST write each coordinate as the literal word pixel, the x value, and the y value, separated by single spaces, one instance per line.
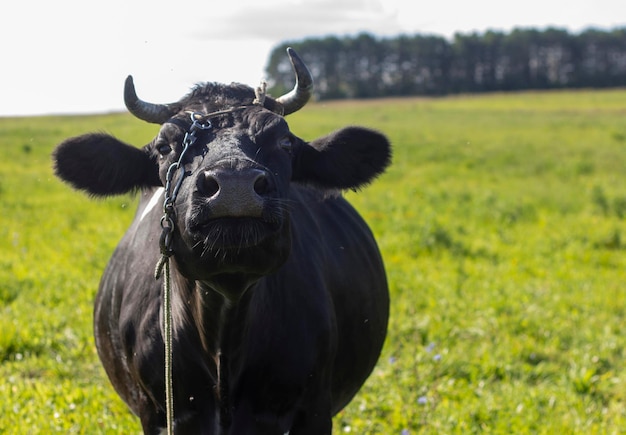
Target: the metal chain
pixel 167 221
pixel 167 226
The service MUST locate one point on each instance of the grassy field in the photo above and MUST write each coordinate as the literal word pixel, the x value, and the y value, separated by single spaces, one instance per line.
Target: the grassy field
pixel 503 226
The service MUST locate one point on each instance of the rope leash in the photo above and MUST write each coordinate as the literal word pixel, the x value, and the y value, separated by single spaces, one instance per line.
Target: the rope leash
pixel 164 266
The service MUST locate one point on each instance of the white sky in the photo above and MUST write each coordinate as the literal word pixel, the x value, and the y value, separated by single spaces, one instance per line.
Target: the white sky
pixel 72 56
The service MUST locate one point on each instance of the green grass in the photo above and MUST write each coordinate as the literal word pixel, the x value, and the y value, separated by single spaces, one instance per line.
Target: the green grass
pixel 503 226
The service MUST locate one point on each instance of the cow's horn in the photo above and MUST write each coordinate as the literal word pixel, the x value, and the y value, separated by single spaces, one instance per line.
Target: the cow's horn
pixel 155 113
pixel 300 94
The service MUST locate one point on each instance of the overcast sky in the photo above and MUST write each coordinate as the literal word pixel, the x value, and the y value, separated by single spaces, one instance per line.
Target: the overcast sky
pixel 72 56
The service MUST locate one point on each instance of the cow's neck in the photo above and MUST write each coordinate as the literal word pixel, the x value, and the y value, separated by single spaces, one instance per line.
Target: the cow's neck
pixel 222 325
pixel 232 286
pixel 214 316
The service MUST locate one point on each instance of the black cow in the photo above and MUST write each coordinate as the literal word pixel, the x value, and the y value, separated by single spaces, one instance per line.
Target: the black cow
pixel 279 295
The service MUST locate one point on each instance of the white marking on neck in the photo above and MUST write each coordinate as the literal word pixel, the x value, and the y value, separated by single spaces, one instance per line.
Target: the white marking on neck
pixel 152 203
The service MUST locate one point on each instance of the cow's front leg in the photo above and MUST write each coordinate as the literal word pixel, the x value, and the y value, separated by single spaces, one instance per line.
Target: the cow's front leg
pixel 316 420
pixel 250 421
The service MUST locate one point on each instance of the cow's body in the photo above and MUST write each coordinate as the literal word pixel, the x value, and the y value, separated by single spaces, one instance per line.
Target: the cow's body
pixel 279 296
pixel 289 324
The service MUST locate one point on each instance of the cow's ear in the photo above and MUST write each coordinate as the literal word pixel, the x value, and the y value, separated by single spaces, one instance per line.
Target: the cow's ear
pixel 102 165
pixel 345 159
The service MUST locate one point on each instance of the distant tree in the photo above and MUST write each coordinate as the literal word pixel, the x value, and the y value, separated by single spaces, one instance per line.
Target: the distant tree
pixel 431 60
pixel 603 58
pixel 364 66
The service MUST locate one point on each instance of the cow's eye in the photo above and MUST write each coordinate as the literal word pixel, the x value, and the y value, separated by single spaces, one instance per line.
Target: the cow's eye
pixel 285 143
pixel 163 148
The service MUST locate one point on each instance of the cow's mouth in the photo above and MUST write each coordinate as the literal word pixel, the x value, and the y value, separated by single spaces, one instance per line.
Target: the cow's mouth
pixel 248 245
pixel 231 234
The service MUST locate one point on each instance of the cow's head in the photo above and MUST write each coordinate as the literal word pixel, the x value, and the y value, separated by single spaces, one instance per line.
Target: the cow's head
pixel 232 209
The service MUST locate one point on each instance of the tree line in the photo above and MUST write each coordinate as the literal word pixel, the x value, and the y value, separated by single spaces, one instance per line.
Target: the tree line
pixel 365 66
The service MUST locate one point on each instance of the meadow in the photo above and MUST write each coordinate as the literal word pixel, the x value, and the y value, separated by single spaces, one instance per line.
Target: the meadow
pixel 502 222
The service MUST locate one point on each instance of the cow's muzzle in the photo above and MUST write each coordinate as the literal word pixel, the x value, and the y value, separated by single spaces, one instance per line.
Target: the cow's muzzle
pixel 235 193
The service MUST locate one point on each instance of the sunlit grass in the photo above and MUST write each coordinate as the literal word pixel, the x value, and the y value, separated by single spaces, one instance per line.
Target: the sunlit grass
pixel 502 223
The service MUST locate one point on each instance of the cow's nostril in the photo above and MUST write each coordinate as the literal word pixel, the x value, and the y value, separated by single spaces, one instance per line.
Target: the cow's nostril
pixel 261 184
pixel 211 186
